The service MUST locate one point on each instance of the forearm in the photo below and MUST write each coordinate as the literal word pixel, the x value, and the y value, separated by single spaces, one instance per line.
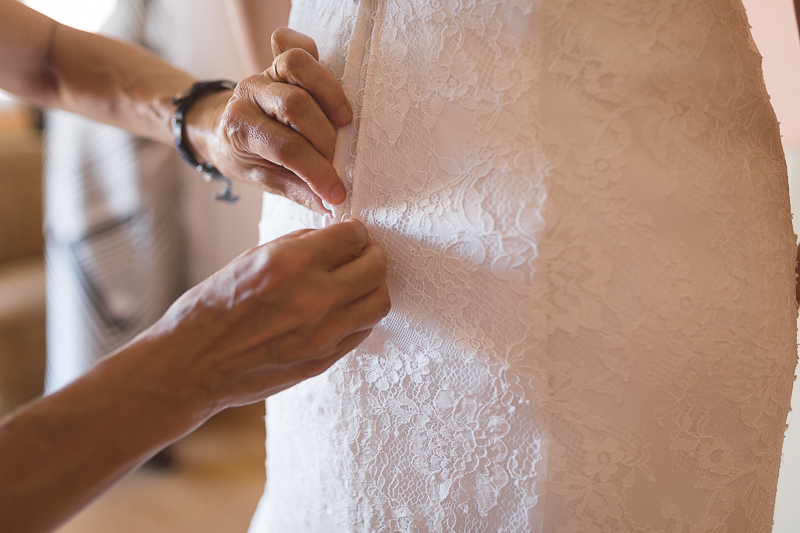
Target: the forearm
pixel 253 134
pixel 113 82
pixel 64 450
pixel 278 314
pixel 253 22
pixel 51 65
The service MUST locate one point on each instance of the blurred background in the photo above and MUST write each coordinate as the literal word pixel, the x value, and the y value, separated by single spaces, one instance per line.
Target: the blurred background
pixel 218 474
pixel 128 226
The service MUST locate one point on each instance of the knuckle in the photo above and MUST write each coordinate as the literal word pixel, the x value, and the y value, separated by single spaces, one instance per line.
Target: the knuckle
pixel 227 122
pixel 291 147
pixel 228 117
pixel 247 88
pixel 281 265
pixel 237 135
pixel 293 60
pixel 246 85
pixel 295 102
pixel 288 256
pixel 233 125
pixel 232 114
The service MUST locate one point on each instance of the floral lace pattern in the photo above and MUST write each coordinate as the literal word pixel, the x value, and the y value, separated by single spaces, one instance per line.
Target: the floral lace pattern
pixel 584 207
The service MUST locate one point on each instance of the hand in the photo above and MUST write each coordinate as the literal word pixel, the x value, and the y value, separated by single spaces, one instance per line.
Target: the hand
pixel 277 129
pixel 276 315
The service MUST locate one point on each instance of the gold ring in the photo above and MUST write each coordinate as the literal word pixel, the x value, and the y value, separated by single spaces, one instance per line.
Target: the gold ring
pixel 272 72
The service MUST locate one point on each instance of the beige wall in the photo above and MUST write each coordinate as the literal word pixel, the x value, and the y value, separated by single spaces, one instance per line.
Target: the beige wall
pixel 775 33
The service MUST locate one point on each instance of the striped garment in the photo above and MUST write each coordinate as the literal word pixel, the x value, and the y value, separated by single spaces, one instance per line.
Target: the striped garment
pixel 114 247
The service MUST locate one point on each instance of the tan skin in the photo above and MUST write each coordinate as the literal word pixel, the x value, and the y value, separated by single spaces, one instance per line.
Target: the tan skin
pixel 276 315
pixel 276 136
pixel 305 101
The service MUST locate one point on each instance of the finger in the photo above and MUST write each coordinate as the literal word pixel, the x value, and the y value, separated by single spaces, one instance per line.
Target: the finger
pixel 362 314
pixel 351 342
pixel 299 192
pixel 357 315
pixel 284 182
pixel 316 367
pixel 316 341
pixel 297 67
pixel 294 234
pixel 246 129
pixel 360 276
pixel 284 39
pixel 338 244
pixel 295 108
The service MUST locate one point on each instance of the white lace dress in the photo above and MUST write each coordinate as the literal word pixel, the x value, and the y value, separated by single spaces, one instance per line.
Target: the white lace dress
pixel 585 210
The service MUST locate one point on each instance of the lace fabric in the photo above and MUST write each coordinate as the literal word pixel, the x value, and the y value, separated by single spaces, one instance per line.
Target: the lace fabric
pixel 584 206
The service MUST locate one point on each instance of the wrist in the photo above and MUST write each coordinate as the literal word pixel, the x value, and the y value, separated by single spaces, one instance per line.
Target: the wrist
pixel 195 126
pixel 201 125
pixel 155 389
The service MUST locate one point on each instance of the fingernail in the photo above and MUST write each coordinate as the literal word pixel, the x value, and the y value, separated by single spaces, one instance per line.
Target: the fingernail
pixel 361 227
pixel 343 115
pixel 338 195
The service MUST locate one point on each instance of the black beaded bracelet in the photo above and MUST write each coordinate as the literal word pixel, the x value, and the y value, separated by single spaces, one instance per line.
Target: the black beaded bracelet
pixel 183 102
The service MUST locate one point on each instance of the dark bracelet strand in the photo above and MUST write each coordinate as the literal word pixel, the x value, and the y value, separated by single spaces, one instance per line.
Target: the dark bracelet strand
pixel 183 102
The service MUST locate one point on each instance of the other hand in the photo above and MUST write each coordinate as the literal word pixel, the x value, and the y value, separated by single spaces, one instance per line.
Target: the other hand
pixel 277 129
pixel 276 315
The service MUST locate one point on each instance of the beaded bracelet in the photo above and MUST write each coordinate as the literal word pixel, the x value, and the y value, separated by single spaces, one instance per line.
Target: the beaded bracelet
pixel 183 102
